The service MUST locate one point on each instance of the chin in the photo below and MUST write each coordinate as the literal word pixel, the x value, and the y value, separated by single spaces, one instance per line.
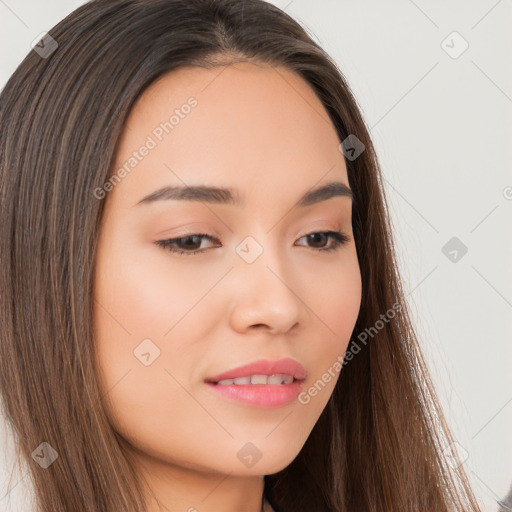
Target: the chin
pixel 268 464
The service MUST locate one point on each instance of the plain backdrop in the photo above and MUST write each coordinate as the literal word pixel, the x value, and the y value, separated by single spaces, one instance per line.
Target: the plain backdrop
pixel 434 82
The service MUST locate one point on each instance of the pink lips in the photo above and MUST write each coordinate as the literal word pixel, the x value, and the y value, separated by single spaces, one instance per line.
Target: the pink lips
pixel 286 366
pixel 261 395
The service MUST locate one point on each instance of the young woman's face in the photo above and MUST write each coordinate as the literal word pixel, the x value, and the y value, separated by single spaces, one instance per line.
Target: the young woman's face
pixel 259 289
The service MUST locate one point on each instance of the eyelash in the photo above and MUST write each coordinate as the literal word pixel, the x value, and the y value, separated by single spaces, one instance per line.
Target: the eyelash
pixel 338 237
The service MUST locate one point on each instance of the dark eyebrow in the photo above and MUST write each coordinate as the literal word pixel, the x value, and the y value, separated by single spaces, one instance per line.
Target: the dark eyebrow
pixel 230 196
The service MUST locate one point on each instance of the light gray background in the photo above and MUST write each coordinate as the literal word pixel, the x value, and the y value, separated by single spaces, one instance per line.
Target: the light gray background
pixel 442 128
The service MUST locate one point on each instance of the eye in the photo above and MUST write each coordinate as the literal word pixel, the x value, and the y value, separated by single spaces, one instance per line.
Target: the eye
pixel 190 245
pixel 338 239
pixel 186 245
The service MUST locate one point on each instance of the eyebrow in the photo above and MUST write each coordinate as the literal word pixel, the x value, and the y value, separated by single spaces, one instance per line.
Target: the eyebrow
pixel 219 195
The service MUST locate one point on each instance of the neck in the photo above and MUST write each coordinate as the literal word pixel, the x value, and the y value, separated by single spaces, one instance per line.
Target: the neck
pixel 174 487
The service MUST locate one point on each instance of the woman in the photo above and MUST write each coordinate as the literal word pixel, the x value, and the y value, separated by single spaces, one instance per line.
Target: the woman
pixel 277 369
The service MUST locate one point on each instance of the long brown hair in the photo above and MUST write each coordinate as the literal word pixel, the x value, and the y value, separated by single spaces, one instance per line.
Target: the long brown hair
pixel 377 446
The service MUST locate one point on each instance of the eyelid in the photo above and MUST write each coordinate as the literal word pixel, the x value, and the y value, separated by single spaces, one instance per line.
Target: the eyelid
pixel 192 228
pixel 319 228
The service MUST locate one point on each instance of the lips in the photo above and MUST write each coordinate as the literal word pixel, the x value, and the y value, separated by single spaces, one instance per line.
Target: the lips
pixel 264 383
pixel 281 367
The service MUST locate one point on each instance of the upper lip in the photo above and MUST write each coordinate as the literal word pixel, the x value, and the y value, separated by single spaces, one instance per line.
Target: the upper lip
pixel 285 366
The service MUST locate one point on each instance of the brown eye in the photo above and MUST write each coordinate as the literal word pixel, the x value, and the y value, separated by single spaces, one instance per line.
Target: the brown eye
pixel 185 245
pixel 320 237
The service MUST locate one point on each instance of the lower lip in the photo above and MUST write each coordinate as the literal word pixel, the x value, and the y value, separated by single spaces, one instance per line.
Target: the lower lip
pixel 260 395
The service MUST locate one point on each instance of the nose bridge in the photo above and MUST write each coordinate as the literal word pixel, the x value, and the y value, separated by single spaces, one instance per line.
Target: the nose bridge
pixel 267 284
pixel 261 256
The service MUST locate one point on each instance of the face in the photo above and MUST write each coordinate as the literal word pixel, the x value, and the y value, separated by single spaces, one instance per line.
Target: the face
pixel 252 279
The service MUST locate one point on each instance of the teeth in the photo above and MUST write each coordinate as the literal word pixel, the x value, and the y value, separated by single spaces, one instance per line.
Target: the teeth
pixel 280 379
pixel 225 382
pixel 259 379
pixel 277 379
pixel 243 380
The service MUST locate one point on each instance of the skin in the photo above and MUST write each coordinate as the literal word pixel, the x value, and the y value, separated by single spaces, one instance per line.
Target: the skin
pixel 264 132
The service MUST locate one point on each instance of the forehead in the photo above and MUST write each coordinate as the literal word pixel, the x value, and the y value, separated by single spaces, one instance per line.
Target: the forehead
pixel 248 126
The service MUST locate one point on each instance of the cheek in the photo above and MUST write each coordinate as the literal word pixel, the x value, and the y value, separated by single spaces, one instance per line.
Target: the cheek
pixel 146 298
pixel 334 303
pixel 148 313
pixel 149 291
pixel 335 300
pixel 149 309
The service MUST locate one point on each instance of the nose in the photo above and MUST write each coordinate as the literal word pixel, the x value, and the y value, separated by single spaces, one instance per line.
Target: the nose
pixel 266 295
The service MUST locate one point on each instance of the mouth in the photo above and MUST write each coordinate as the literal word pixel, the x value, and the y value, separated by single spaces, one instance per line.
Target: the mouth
pixel 263 383
pixel 258 380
